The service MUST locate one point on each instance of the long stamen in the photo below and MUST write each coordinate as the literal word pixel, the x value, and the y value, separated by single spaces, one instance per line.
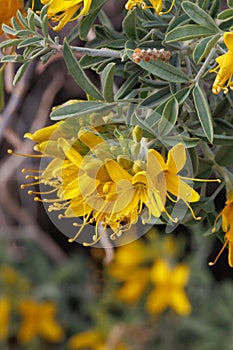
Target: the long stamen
pixel 24 170
pixel 31 184
pixel 200 180
pixel 170 217
pixel 10 151
pixel 211 263
pixel 45 200
pixel 45 192
pixel 192 212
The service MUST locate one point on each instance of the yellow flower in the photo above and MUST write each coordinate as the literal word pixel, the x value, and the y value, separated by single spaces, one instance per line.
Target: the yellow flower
pixel 227 226
pixel 224 69
pixel 4 318
pixel 166 175
pixel 8 9
pixel 157 5
pixel 64 11
pixel 38 320
pixel 92 340
pixel 169 288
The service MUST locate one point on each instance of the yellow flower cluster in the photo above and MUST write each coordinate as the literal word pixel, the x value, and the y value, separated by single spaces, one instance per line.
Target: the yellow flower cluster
pixel 157 5
pixel 224 69
pixel 105 182
pixel 227 226
pixel 64 11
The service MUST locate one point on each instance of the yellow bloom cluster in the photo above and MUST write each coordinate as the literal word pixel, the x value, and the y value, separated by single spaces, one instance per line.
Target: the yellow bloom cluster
pixel 157 5
pixel 224 69
pixel 108 183
pixel 136 268
pixel 64 11
pixel 227 226
pixel 8 9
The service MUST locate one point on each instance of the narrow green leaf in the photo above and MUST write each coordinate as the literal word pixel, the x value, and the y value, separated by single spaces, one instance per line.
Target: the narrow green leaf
pixel 203 47
pixel 8 29
pixel 156 98
pixel 127 86
pixel 12 58
pixel 214 9
pixel 187 32
pixel 22 19
pixel 29 41
pixel 45 26
pixel 217 139
pixel 180 96
pixel 225 15
pixel 79 108
pixel 169 117
pixel 203 112
pixel 129 25
pixel 78 73
pixel 230 3
pixel 199 16
pixel 10 42
pixel 31 20
pixel 20 73
pixel 107 80
pixel 162 70
pixel 187 141
pixel 24 32
pixel 15 24
pixel 178 21
pixel 43 11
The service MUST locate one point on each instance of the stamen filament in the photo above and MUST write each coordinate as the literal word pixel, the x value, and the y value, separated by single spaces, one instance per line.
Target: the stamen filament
pixel 211 263
pixel 10 151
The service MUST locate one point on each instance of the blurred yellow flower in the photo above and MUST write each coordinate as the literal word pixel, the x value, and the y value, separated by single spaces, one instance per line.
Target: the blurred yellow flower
pixel 224 69
pixel 38 319
pixel 92 340
pixel 4 318
pixel 8 9
pixel 157 5
pixel 12 279
pixel 227 226
pixel 169 288
pixel 64 11
pixel 128 267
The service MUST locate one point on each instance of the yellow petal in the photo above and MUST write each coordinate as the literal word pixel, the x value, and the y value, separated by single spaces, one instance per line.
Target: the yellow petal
pixel 176 158
pixel 155 163
pixel 69 151
pixel 44 133
pixel 228 40
pixel 116 172
pixel 89 138
pixel 180 189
